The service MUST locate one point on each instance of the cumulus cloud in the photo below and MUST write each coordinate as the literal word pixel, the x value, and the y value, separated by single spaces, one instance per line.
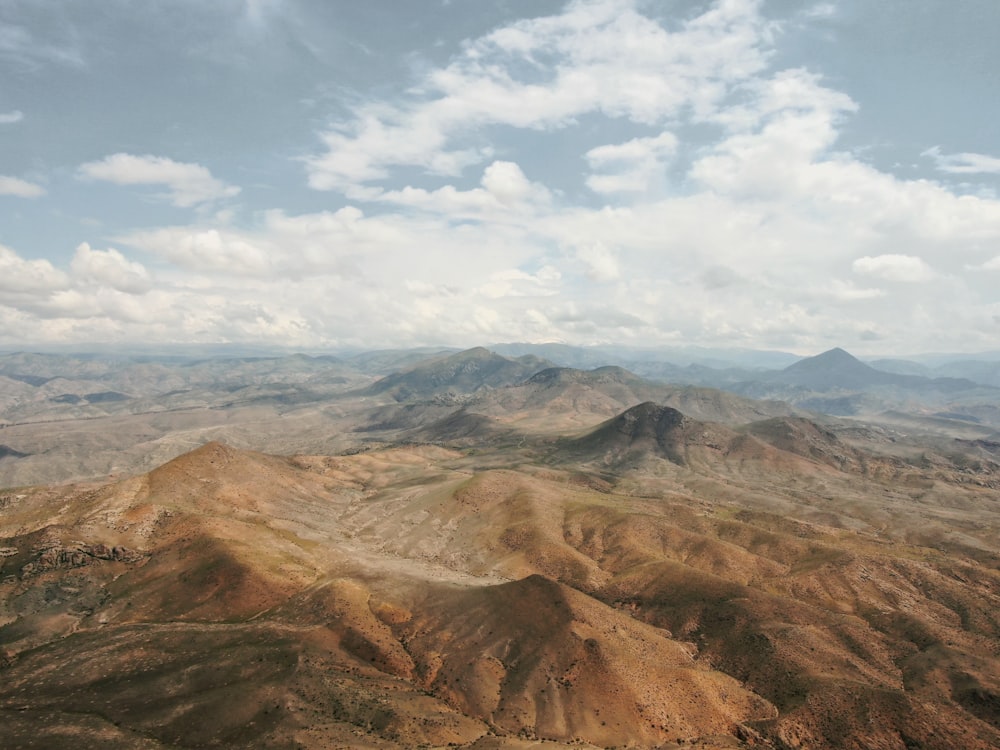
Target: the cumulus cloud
pixel 631 167
pixel 20 188
pixel 799 244
pixel 543 73
pixel 110 268
pixel 188 184
pixel 8 118
pixel 965 163
pixel 892 267
pixel 20 277
pixel 212 250
pixel 504 189
pixel 778 139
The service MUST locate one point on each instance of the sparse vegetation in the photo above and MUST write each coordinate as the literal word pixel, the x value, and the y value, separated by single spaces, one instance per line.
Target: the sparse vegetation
pixel 643 579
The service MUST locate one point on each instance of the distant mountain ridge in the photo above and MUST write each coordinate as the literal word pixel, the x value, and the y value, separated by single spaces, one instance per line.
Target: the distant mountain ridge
pixel 835 368
pixel 838 369
pixel 462 373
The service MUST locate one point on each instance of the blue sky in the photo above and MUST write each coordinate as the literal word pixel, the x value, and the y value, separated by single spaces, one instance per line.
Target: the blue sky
pixel 769 174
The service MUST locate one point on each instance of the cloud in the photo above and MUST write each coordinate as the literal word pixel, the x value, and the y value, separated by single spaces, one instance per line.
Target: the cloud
pixel 593 176
pixel 26 278
pixel 205 250
pixel 965 163
pixel 845 291
pixel 20 188
pixel 892 267
pixel 791 124
pixel 590 318
pixel 8 118
pixel 257 12
pixel 20 46
pixel 517 283
pixel 719 277
pixel 188 184
pixel 631 167
pixel 600 262
pixel 820 11
pixel 504 191
pixel 543 74
pixel 110 268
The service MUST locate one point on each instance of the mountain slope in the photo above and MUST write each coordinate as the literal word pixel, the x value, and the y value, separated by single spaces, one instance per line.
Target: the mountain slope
pixel 837 369
pixel 561 398
pixel 462 373
pixel 657 579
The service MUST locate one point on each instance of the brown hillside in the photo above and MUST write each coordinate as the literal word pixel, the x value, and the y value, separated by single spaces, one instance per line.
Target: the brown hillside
pixel 658 582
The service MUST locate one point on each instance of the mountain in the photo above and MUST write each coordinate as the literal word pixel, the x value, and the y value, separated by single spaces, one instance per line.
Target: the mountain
pixel 652 429
pixel 638 358
pixel 900 367
pixel 561 397
pixel 647 438
pixel 414 595
pixel 986 373
pixel 836 369
pixel 388 361
pixel 461 373
pixel 804 437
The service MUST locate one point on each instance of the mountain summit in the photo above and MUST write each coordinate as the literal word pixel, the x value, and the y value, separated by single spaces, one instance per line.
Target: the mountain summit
pixel 836 368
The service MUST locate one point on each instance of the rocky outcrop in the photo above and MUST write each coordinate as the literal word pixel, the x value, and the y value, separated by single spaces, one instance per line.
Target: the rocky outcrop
pixel 77 556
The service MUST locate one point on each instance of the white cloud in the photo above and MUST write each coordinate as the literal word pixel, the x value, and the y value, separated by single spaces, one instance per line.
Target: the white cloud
pixel 205 250
pixel 600 262
pixel 22 278
pixel 20 188
pixel 506 182
pixel 767 235
pixel 845 291
pixel 820 11
pixel 893 267
pixel 189 184
pixel 965 163
pixel 778 139
pixel 505 190
pixel 517 283
pixel 110 268
pixel 8 118
pixel 631 167
pixel 569 65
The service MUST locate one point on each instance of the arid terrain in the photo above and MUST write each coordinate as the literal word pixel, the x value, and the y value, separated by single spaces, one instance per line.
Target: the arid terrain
pixel 471 550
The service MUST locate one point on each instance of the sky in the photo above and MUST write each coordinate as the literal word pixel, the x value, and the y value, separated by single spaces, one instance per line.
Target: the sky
pixel 329 174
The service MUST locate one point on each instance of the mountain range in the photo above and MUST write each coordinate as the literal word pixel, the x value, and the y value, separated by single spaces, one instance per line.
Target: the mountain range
pixel 485 551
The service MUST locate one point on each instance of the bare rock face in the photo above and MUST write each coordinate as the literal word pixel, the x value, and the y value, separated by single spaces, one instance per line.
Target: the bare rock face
pixel 77 556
